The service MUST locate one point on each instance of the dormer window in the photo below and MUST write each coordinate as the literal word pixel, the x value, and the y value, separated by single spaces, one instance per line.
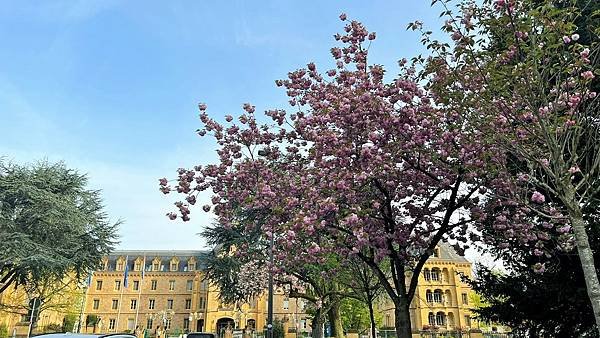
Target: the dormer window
pixel 156 264
pixel 191 265
pixel 436 252
pixel 174 264
pixel 138 265
pixel 120 265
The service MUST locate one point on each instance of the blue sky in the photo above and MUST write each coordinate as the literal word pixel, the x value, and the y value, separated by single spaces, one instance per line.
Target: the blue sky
pixel 111 87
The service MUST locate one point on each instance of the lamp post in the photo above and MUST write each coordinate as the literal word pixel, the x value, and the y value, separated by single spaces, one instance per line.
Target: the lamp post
pixel 164 316
pixel 270 299
pixel 194 316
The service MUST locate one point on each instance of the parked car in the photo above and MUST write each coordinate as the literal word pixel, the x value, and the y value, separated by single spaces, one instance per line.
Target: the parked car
pixel 83 335
pixel 201 335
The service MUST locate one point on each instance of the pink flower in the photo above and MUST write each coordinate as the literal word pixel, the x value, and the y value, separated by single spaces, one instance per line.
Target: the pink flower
pixel 343 17
pixel 566 39
pixel 564 229
pixel 372 36
pixel 172 216
pixel 202 106
pixel 206 208
pixel 538 197
pixel 585 53
pixel 588 75
pixel 539 268
pixel 574 169
pixel 228 118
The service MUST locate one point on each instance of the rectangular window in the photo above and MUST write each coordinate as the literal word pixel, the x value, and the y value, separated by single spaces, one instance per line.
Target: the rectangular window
pixel 136 285
pixel 155 267
pixel 153 284
pixel 130 324
pixel 201 303
pixel 111 324
pixel 115 304
pixel 465 299
pixel 120 266
pixel 190 285
pixel 133 304
pixel 137 266
pixel 118 284
pixel 191 266
pixel 427 275
pixel 171 285
pixel 435 275
pixel 286 303
pixel 188 304
pixel 168 326
pixel 98 285
pixel 467 321
pixel 149 324
pixel 173 266
pixel 96 304
pixel 186 324
pixel 169 304
pixel 151 303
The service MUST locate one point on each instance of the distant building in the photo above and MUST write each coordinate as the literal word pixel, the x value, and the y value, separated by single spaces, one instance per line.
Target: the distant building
pixel 173 296
pixel 166 290
pixel 442 301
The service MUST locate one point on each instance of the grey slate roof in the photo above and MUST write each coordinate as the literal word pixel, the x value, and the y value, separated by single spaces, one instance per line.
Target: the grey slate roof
pixel 448 253
pixel 164 255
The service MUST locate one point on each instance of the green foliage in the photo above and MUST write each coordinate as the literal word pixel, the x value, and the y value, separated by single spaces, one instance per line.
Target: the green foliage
pixel 51 225
pixel 355 315
pixel 91 320
pixel 69 322
pixel 278 329
pixel 3 331
pixel 54 328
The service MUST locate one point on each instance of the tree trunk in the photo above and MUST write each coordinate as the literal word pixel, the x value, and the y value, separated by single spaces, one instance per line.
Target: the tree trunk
pixel 372 319
pixel 317 325
pixel 335 320
pixel 402 320
pixel 586 256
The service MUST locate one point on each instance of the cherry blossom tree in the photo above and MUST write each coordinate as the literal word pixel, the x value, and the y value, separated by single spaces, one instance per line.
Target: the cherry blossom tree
pixel 364 168
pixel 529 80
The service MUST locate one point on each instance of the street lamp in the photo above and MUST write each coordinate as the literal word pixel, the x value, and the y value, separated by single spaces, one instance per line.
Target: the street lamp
pixel 195 316
pixel 164 316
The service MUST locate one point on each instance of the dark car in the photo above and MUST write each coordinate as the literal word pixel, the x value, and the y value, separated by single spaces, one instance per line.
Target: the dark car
pixel 83 335
pixel 201 335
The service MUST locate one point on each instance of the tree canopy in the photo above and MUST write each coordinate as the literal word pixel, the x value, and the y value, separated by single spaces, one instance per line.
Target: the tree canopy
pixel 51 224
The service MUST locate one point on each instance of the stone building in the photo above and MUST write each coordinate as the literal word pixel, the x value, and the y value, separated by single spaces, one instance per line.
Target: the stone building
pixel 166 291
pixel 442 300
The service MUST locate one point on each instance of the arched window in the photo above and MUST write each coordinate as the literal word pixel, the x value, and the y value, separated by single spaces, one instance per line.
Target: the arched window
pixel 429 296
pixel 431 318
pixel 437 296
pixel 426 274
pixel 448 297
pixel 440 319
pixel 435 274
pixel 445 275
